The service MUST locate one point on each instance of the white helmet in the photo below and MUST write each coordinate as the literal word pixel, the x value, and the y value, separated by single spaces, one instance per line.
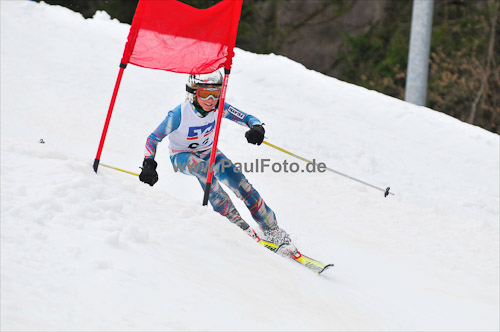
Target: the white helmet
pixel 214 78
pixel 198 81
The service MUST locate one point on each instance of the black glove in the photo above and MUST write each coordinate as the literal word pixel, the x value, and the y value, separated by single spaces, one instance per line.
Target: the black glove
pixel 255 135
pixel 148 174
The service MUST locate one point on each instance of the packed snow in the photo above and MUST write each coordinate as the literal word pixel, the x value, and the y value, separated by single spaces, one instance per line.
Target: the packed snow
pixel 96 252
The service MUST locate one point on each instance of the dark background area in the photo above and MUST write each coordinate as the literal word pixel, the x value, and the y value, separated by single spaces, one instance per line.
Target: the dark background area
pixel 365 42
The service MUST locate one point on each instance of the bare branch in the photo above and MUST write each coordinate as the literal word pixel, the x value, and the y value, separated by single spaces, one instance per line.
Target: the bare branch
pixel 487 71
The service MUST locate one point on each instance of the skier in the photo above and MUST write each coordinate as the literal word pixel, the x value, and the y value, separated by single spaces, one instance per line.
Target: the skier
pixel 190 128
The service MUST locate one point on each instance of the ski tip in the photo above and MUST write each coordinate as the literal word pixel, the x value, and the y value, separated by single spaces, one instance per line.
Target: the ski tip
pixel 325 268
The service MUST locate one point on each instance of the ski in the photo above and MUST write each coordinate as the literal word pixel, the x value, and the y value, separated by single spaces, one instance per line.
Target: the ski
pixel 308 262
pixel 269 245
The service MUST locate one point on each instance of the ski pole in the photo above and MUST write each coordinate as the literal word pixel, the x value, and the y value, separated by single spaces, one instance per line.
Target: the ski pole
pixel 119 169
pixel 385 191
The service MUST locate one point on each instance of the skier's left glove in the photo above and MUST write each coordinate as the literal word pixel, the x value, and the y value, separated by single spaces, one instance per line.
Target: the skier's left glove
pixel 255 135
pixel 149 174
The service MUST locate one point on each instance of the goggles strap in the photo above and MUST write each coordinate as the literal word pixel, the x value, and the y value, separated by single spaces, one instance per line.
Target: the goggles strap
pixel 190 89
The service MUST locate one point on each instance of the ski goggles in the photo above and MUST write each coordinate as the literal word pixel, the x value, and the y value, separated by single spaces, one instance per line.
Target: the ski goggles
pixel 207 93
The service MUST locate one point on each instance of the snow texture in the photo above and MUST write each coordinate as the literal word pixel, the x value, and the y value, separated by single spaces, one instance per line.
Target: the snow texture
pixel 85 251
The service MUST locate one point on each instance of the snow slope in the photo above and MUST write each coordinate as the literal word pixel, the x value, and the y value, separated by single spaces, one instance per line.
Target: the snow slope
pixel 81 251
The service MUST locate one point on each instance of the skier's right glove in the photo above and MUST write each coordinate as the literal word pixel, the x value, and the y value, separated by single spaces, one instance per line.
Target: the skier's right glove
pixel 148 174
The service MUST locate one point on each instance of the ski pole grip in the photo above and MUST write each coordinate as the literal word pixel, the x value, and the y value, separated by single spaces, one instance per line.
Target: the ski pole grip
pixel 207 193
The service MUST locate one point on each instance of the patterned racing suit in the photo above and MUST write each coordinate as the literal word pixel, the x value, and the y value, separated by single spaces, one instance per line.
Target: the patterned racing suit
pixel 190 141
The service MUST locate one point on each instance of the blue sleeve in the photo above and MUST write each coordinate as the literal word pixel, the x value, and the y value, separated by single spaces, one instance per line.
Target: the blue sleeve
pixel 240 117
pixel 171 123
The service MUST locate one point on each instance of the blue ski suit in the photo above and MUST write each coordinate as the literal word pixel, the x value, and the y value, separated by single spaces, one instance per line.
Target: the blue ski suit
pixel 190 141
